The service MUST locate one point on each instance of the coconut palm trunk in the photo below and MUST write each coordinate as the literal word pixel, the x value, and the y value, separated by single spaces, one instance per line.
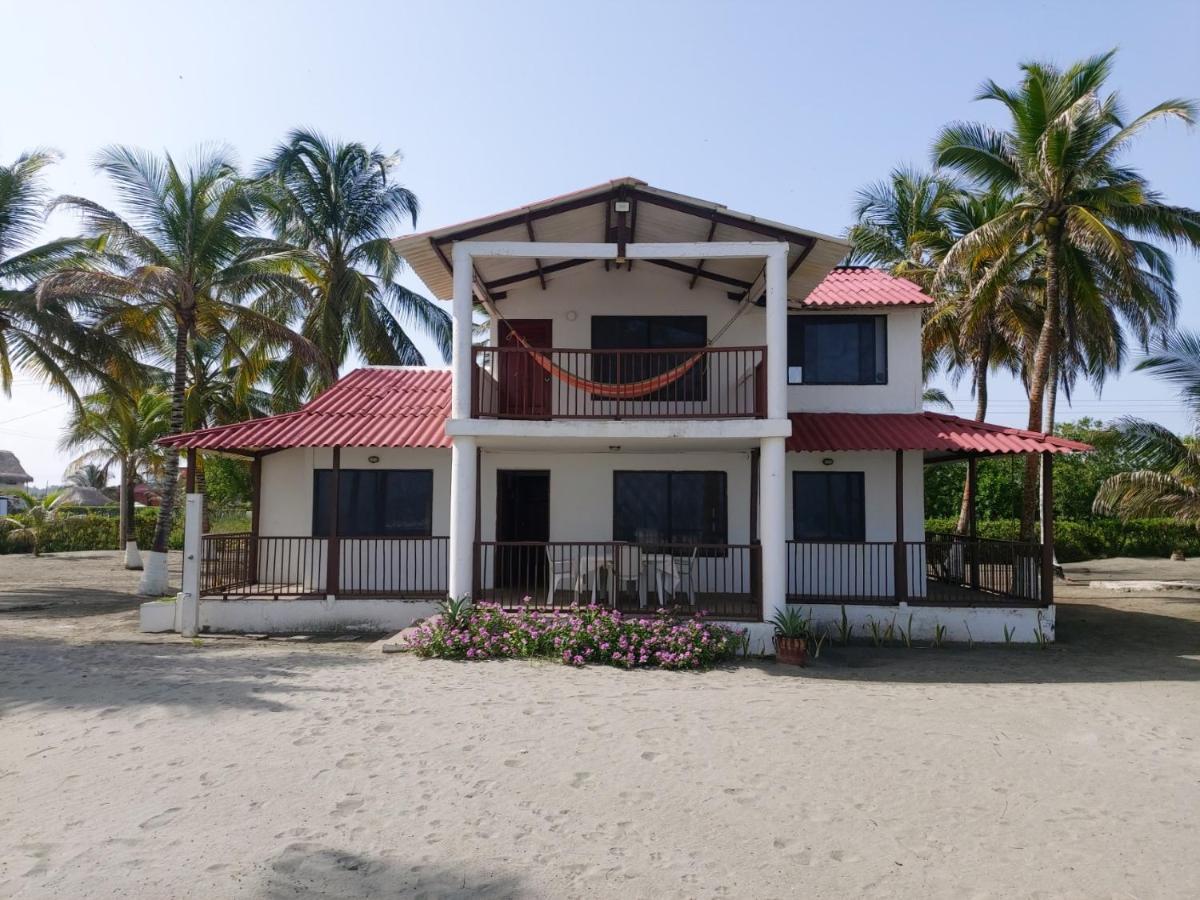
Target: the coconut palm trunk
pixel 154 575
pixel 982 363
pixel 1039 379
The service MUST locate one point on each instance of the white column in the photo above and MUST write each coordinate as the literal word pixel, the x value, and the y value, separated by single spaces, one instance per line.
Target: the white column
pixel 772 524
pixel 776 322
pixel 463 474
pixel 189 598
pixel 461 328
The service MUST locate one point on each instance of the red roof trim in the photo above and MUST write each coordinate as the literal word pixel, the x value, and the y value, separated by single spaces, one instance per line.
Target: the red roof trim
pixel 929 431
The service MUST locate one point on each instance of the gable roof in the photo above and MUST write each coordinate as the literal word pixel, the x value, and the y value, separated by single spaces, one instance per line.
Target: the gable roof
pixel 376 406
pixel 862 286
pixel 11 471
pixel 587 216
pixel 941 436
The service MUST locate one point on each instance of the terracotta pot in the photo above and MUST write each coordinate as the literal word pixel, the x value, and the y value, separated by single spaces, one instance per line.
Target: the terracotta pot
pixel 791 651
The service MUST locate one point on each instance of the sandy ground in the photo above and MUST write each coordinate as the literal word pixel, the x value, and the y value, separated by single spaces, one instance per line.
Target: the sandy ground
pixel 140 766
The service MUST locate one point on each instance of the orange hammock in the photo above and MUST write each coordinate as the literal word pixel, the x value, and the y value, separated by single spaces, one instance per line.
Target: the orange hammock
pixel 629 391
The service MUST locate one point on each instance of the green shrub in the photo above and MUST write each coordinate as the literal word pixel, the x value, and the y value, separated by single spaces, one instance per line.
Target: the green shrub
pixel 90 532
pixel 1096 538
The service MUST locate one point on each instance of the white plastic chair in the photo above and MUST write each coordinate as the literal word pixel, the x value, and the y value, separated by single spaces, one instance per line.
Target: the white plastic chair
pixel 685 575
pixel 562 571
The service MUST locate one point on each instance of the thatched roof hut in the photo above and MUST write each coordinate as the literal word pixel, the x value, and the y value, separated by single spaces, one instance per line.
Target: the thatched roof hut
pixel 11 472
pixel 79 495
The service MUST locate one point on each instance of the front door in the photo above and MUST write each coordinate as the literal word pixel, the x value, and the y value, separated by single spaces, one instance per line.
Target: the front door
pixel 522 528
pixel 525 391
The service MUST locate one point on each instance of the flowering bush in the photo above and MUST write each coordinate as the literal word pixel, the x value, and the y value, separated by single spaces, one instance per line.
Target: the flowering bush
pixel 579 635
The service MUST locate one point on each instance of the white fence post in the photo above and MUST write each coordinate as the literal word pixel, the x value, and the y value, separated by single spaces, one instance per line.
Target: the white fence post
pixel 189 597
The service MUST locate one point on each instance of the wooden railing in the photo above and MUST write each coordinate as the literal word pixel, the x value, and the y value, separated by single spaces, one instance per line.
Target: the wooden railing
pixel 720 580
pixel 242 566
pixel 721 383
pixel 948 570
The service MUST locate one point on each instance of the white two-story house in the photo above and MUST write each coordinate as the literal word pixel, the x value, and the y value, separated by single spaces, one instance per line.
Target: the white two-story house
pixel 655 403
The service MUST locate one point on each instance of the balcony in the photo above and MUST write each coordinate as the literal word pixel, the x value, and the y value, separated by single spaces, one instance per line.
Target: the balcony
pixel 702 383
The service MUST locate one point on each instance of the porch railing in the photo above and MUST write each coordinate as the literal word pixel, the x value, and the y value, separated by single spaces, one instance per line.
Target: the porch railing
pixel 721 580
pixel 722 383
pixel 243 566
pixel 943 569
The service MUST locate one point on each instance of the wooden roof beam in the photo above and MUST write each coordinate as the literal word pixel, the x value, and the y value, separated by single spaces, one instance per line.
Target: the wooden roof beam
pixel 712 229
pixel 537 262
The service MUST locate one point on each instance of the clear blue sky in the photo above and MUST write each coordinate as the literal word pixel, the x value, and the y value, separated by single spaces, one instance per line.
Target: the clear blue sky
pixel 778 109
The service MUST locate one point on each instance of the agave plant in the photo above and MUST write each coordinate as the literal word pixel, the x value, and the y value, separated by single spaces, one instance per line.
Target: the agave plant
pixel 789 622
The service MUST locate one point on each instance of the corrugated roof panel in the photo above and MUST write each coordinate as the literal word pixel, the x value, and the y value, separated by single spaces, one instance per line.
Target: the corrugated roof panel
pixel 370 407
pixel 861 286
pixel 929 431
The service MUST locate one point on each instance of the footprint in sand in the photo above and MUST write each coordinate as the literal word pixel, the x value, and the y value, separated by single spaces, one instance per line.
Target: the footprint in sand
pixel 580 778
pixel 649 756
pixel 163 818
pixel 348 806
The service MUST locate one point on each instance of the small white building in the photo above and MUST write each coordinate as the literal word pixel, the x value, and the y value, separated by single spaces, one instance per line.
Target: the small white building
pixel 678 407
pixel 13 480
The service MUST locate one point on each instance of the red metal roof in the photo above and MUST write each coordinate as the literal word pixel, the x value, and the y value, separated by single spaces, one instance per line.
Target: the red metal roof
pixel 860 286
pixel 936 433
pixel 370 407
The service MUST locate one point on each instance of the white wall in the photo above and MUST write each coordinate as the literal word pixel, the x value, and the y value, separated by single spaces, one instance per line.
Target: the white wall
pixel 400 565
pixel 581 488
pixel 865 571
pixel 903 390
pixel 287 483
pixel 650 290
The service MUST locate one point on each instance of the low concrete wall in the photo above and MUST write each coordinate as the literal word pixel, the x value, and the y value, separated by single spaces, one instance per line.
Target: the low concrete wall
pixel 283 616
pixel 962 624
pixel 293 616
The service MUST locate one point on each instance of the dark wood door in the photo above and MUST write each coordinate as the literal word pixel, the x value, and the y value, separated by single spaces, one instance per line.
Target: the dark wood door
pixel 525 390
pixel 522 515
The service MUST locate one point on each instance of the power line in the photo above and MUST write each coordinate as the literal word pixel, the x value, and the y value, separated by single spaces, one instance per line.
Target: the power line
pixel 36 412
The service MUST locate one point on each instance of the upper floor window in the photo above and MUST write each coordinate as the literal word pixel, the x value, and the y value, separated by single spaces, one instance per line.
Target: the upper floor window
pixel 663 333
pixel 375 502
pixel 837 350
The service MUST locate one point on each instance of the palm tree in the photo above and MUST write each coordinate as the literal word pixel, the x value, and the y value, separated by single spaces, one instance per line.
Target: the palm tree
pixel 181 263
pixel 52 341
pixel 899 221
pixel 90 475
pixel 339 203
pixel 1071 200
pixel 1168 484
pixel 908 224
pixel 122 430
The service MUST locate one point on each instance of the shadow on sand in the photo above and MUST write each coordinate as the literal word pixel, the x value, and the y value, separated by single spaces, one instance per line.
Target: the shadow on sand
pixel 47 672
pixel 313 869
pixel 1095 644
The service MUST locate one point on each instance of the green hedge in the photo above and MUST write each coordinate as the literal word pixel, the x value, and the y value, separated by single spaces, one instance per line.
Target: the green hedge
pixel 89 532
pixel 1076 540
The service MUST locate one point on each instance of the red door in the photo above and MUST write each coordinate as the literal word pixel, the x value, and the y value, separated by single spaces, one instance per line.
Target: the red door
pixel 524 385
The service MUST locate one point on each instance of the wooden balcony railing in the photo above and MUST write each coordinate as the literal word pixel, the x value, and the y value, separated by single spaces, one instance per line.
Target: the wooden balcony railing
pixel 720 580
pixel 243 566
pixel 720 383
pixel 949 570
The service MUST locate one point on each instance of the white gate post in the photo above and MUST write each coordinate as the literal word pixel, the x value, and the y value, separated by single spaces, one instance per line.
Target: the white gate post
pixel 189 597
pixel 464 472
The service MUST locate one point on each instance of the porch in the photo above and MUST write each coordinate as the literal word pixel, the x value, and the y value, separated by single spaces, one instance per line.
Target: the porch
pixel 720 581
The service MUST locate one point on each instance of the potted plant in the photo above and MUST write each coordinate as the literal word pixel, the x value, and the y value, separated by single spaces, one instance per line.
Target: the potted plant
pixel 791 636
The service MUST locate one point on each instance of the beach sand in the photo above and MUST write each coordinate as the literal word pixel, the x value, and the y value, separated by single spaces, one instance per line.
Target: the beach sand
pixel 232 768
